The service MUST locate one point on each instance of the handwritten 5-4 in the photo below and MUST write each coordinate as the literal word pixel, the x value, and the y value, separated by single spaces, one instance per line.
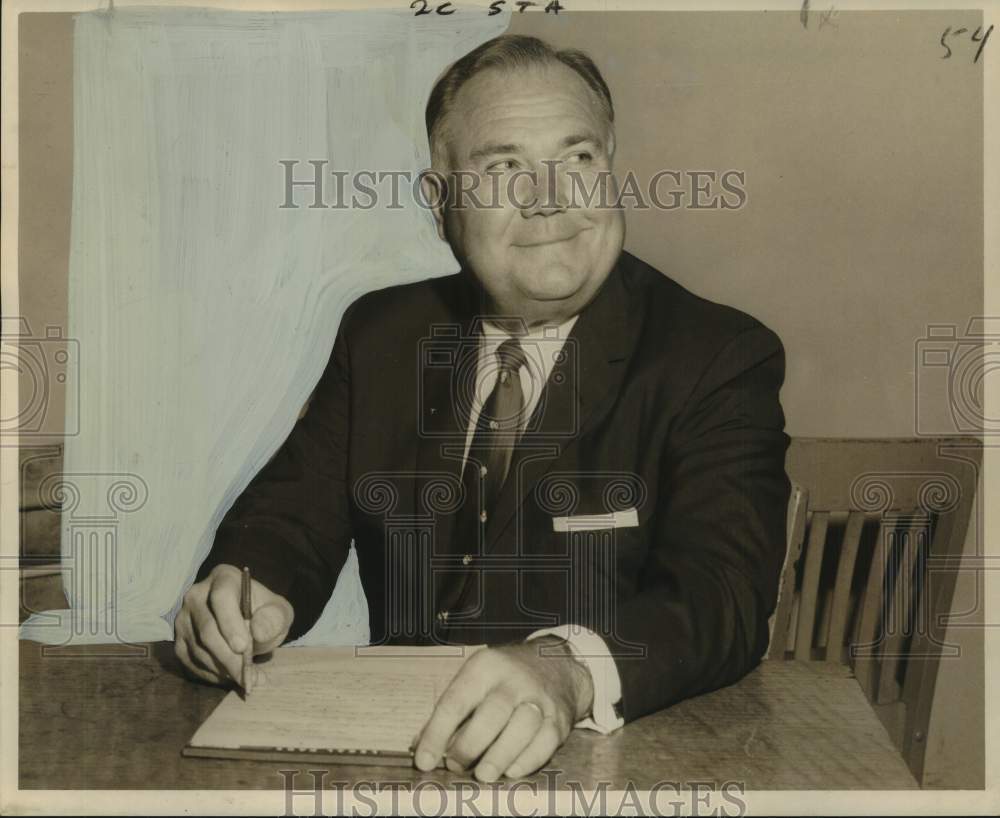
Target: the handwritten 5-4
pixel 977 37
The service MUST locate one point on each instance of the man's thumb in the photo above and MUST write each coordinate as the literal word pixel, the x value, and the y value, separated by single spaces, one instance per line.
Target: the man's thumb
pixel 268 626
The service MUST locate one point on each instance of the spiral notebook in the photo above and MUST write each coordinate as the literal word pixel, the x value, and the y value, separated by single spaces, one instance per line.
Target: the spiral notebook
pixel 332 705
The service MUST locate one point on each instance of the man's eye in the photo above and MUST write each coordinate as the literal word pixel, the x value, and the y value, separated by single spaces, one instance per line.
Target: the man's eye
pixel 582 157
pixel 502 165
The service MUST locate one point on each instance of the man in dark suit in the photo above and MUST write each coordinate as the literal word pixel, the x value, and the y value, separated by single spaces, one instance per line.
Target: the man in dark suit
pixel 558 451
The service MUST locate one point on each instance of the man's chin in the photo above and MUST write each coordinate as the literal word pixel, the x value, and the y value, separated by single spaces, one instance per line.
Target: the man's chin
pixel 557 292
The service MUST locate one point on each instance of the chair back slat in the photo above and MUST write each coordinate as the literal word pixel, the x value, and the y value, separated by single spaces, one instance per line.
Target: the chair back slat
pixel 809 595
pixel 867 642
pixel 904 584
pixel 796 531
pixel 840 608
pixel 924 653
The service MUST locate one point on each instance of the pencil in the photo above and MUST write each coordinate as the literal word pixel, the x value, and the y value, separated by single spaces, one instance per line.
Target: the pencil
pixel 247 611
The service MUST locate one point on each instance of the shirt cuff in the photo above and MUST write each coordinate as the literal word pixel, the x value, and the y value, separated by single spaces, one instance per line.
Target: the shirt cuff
pixel 592 651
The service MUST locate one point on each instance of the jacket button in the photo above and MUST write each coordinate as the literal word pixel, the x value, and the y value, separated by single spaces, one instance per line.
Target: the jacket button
pixel 466 559
pixel 442 616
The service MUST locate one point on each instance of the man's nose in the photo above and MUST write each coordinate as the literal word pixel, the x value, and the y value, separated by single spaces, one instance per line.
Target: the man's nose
pixel 547 194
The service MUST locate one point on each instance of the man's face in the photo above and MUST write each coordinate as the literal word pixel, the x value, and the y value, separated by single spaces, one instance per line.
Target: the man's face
pixel 536 257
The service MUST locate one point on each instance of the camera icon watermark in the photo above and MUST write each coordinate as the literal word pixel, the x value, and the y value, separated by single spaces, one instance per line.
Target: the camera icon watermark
pixel 454 379
pixel 47 367
pixel 954 366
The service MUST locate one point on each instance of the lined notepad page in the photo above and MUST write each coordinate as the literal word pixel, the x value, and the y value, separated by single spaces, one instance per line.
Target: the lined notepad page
pixel 335 699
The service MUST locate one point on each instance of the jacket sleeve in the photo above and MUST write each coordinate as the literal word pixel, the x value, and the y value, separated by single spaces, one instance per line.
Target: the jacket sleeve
pixel 711 579
pixel 292 524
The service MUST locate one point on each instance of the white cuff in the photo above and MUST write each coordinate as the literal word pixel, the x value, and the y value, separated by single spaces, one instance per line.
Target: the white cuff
pixel 592 651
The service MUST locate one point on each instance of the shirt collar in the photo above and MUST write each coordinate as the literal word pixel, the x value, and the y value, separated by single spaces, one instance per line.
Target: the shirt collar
pixel 540 344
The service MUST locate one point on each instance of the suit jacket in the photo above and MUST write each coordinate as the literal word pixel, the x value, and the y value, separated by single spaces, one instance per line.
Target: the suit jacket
pixel 661 402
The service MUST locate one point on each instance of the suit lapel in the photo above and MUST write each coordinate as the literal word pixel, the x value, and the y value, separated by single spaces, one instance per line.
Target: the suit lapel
pixel 577 394
pixel 448 361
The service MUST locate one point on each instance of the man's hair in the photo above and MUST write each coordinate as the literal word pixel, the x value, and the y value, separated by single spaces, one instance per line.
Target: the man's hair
pixel 508 52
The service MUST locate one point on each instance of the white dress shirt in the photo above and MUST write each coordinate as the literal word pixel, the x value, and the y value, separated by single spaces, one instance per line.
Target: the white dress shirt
pixel 542 347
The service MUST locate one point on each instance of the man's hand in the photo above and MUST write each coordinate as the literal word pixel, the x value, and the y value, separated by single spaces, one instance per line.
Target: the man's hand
pixel 210 633
pixel 507 710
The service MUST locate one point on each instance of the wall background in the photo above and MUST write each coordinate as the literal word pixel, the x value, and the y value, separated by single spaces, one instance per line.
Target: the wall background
pixel 863 157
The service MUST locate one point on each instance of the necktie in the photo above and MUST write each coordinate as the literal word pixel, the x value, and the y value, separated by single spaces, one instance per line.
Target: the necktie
pixel 492 447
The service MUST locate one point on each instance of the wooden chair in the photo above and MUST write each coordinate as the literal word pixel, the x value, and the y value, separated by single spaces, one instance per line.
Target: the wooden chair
pixel 875 532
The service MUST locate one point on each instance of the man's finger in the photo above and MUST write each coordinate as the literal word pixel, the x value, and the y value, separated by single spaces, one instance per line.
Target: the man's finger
pixel 183 636
pixel 182 653
pixel 203 658
pixel 205 661
pixel 536 754
pixel 182 626
pixel 479 732
pixel 513 740
pixel 210 638
pixel 224 603
pixel 269 627
pixel 459 699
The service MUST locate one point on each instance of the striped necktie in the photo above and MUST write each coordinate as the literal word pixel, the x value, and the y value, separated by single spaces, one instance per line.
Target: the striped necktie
pixel 497 431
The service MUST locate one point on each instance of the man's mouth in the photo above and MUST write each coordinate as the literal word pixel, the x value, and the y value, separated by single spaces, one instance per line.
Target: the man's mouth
pixel 544 242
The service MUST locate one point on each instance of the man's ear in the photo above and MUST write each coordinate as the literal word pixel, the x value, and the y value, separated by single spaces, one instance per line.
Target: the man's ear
pixel 434 189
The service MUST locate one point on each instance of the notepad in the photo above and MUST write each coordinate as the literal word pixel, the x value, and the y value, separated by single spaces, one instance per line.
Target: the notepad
pixel 332 705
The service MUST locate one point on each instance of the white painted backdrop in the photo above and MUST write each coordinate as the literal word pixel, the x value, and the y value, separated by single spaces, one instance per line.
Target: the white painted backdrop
pixel 204 311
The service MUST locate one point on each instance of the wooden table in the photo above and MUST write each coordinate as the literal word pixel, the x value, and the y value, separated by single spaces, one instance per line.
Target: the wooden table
pixel 119 722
